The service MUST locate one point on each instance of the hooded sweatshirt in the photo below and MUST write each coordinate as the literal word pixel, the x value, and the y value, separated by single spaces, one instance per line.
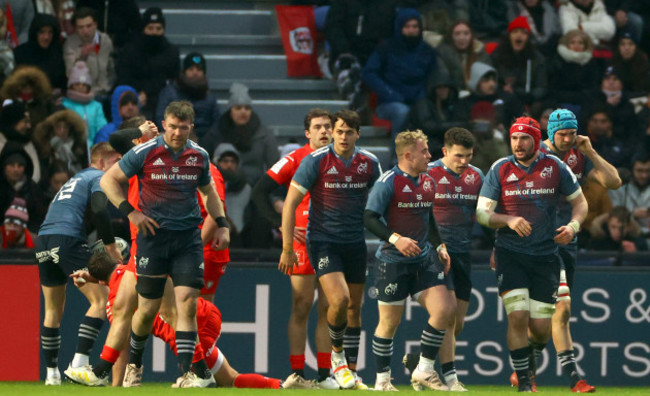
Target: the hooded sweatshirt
pixel 108 129
pixel 49 59
pixel 398 69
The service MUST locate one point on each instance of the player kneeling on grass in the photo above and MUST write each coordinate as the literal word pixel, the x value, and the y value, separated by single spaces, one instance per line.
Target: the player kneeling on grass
pixel 103 269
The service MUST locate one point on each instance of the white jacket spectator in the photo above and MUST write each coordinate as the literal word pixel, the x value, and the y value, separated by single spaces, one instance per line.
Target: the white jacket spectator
pixel 590 16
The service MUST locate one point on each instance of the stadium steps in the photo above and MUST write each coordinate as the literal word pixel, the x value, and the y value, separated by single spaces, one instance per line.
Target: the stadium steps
pixel 241 42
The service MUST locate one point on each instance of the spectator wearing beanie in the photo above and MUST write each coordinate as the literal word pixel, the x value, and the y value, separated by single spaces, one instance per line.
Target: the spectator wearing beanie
pixel 242 127
pixel 15 126
pixel 192 85
pixel 16 181
pixel 520 66
pixel 92 46
pixel 44 50
pixel 124 105
pixel 543 21
pixel 13 231
pixel 81 99
pixel 483 87
pixel 633 65
pixel 149 61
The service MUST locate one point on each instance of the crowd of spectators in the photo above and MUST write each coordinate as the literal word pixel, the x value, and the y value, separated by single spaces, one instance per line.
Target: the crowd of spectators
pixel 71 72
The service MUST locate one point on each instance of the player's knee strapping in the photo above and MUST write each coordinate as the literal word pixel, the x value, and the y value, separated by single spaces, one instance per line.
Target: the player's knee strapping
pixel 563 292
pixel 151 288
pixel 516 300
pixel 541 310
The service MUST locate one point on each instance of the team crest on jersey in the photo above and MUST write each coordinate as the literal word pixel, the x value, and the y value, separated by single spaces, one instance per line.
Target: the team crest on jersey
pixel 470 179
pixel 443 180
pixel 407 189
pixel 546 172
pixel 191 161
pixel 529 184
pixel 418 197
pixel 175 169
pixel 458 188
pixel 348 178
pixel 144 261
pixel 572 160
pixel 362 168
pixel 426 186
pixel 323 262
pixel 391 288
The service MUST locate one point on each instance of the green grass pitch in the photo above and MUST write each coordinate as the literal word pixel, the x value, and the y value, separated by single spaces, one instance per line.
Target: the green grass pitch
pixel 160 389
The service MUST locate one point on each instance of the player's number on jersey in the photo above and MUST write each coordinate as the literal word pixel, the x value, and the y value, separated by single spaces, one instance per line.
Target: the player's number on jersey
pixel 66 191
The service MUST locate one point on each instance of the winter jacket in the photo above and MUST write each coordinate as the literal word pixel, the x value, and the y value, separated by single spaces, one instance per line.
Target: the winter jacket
pixel 123 18
pixel 572 75
pixel 116 119
pixel 397 72
pixel 488 17
pixel 528 87
pixel 100 64
pixel 357 26
pixel 29 190
pixel 206 110
pixel 49 59
pixel 92 115
pixel 459 64
pixel 597 23
pixel 41 105
pixel 626 125
pixel 146 64
pixel 258 151
pixel 74 152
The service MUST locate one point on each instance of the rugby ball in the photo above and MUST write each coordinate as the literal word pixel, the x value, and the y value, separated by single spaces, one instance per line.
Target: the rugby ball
pixel 123 245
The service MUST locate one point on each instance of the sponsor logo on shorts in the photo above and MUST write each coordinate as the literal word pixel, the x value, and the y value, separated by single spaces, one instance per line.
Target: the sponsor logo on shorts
pixel 323 262
pixel 202 266
pixel 144 261
pixel 441 275
pixel 390 289
pixel 499 280
pixel 45 255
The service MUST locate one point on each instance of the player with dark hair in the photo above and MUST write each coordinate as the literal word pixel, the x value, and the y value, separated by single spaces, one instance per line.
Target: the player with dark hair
pixel 318 130
pixel 338 177
pixel 457 186
pixel 170 169
pixel 62 248
pixel 519 198
pixel 412 260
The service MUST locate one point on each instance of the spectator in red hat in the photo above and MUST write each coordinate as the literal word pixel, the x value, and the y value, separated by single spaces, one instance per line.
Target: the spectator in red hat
pixel 13 231
pixel 521 67
pixel 543 21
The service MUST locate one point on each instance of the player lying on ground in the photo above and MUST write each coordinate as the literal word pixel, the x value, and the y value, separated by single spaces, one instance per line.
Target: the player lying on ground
pixel 103 269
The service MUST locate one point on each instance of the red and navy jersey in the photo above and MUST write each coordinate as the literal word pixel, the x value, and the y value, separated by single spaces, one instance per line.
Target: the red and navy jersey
pixel 581 165
pixel 282 173
pixel 339 190
pixel 455 204
pixel 168 181
pixel 532 193
pixel 405 203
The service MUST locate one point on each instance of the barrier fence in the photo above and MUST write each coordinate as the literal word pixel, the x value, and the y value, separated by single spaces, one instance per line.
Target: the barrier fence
pixel 610 324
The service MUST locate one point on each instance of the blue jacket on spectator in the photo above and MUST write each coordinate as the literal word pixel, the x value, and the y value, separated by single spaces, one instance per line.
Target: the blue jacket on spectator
pixel 116 118
pixel 397 71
